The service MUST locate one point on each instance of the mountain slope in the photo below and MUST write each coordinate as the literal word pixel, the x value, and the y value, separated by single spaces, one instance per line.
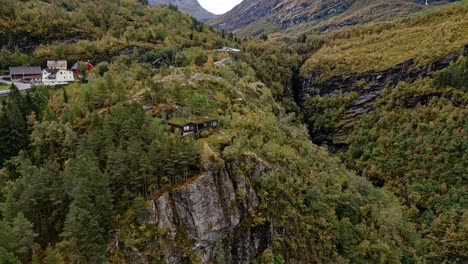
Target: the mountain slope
pixel 395 110
pixel 35 31
pixel 100 180
pixel 191 7
pixel 255 17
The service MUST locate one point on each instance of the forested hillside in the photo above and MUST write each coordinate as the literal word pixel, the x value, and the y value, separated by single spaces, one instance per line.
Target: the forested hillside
pixel 378 47
pixel 93 173
pixel 414 144
pixel 32 32
pixel 395 111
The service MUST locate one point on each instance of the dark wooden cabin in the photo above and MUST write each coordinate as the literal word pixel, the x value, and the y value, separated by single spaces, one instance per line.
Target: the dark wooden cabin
pixel 25 73
pixel 187 126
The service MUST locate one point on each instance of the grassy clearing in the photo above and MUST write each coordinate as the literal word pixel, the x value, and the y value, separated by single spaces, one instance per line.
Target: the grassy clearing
pixel 4 87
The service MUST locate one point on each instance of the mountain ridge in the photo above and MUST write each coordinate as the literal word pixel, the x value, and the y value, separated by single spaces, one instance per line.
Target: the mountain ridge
pixel 191 7
pixel 296 17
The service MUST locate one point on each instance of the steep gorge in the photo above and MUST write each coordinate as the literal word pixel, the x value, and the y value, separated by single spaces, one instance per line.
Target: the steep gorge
pixel 341 80
pixel 368 86
pixel 395 113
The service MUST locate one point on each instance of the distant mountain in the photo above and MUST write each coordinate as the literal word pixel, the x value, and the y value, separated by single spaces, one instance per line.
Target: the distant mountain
pixel 191 7
pixel 255 17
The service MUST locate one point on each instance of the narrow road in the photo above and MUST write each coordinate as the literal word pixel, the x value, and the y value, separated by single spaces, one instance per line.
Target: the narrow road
pixel 21 86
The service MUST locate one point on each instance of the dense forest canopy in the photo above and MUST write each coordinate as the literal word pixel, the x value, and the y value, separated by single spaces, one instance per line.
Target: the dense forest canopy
pixel 419 153
pixel 81 164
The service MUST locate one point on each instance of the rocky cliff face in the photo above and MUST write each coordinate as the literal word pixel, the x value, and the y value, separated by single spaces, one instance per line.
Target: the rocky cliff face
pixel 191 7
pixel 255 17
pixel 369 86
pixel 207 218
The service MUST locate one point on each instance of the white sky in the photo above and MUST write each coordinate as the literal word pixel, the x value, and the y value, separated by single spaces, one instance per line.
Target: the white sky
pixel 219 6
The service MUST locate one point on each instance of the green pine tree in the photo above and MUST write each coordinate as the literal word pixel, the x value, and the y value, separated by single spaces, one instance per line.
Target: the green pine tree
pixel 89 219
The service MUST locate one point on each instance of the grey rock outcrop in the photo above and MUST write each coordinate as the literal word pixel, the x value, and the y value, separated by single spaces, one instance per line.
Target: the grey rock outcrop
pixel 370 85
pixel 211 210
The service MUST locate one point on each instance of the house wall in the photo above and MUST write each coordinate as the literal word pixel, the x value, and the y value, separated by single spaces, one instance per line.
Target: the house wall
pixel 17 77
pixel 58 67
pixel 45 74
pixel 181 129
pixel 62 77
pixel 194 128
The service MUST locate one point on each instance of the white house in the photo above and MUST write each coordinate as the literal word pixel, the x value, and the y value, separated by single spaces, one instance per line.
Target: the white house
pixel 57 77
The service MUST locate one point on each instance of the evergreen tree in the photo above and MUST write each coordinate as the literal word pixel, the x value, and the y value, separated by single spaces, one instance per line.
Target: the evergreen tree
pixel 13 125
pixel 9 208
pixel 16 240
pixel 41 197
pixel 13 132
pixel 8 257
pixel 53 256
pixel 84 241
pixel 89 219
pixel 24 241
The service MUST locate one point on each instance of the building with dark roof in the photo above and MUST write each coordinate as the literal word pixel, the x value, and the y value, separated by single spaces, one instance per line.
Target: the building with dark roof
pixel 25 73
pixel 192 125
pixel 75 67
